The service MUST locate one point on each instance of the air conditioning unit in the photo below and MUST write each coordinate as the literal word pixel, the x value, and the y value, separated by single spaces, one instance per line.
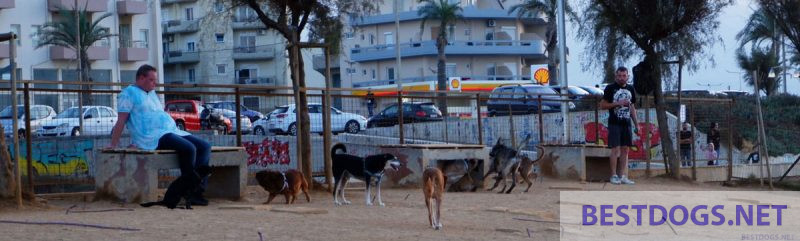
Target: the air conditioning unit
pixel 490 23
pixel 262 32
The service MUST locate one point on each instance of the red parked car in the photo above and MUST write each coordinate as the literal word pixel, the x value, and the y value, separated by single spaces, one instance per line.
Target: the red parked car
pixel 186 113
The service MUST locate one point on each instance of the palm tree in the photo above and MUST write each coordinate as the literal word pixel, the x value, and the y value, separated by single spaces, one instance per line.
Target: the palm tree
pixel 61 32
pixel 534 8
pixel 447 13
pixel 759 61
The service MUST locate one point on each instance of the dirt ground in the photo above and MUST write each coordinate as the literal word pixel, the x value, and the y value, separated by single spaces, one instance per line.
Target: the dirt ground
pixel 466 216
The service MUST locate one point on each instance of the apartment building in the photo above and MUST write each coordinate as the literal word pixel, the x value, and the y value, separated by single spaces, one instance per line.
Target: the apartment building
pixel 489 47
pixel 209 42
pixel 135 24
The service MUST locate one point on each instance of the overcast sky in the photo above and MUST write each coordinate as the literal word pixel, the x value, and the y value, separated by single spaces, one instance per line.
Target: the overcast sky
pixel 717 76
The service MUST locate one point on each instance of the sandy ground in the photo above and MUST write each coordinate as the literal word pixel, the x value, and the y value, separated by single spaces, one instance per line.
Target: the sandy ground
pixel 466 216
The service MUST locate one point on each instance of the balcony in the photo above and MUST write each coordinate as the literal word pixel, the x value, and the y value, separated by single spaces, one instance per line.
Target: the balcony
pixel 469 13
pixel 131 7
pixel 524 48
pixel 90 5
pixel 5 51
pixel 182 57
pixel 409 80
pixel 319 63
pixel 130 51
pixel 4 4
pixel 246 23
pixel 257 81
pixel 177 1
pixel 178 26
pixel 253 53
pixel 93 53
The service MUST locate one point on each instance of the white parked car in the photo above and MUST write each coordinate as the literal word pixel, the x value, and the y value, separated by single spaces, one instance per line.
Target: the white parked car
pixel 97 120
pixel 282 120
pixel 39 113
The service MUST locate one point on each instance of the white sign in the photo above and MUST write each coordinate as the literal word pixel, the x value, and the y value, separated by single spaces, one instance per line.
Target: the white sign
pixel 454 83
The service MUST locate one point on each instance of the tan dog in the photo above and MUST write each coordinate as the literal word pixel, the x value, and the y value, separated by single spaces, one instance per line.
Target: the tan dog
pixel 289 184
pixel 525 166
pixel 433 183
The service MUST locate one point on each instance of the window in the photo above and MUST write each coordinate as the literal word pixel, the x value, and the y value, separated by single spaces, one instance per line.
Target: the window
pixel 362 37
pixel 221 69
pixel 450 69
pixel 391 111
pixel 467 31
pixel 374 74
pixel 371 39
pixel 388 38
pixel 34 34
pixel 348 35
pixel 519 93
pixel 189 14
pixel 314 109
pixel 105 112
pixel 17 30
pixel 489 34
pixel 219 7
pixel 190 75
pixel 390 73
pixel 92 113
pixel 247 44
pixel 220 37
pixel 190 47
pixel 364 72
pixel 144 37
pixel 451 33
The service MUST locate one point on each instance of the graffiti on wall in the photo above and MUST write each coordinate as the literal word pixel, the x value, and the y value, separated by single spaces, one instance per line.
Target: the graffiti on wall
pixel 57 158
pixel 269 151
pixel 593 129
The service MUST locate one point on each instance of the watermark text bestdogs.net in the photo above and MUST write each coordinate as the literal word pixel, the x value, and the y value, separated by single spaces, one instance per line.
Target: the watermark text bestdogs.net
pixel 700 215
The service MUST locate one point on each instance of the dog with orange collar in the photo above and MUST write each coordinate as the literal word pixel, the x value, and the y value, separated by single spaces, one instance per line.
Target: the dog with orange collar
pixel 289 183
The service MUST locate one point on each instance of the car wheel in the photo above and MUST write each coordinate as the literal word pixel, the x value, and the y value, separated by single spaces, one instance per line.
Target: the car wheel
pixel 352 127
pixel 180 125
pixel 76 131
pixel 259 131
pixel 292 129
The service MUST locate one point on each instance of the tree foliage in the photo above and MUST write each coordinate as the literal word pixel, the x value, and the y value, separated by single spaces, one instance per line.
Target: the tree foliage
pixel 446 13
pixel 547 9
pixel 760 60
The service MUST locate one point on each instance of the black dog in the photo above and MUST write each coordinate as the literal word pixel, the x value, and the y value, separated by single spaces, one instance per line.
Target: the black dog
pixel 365 169
pixel 182 188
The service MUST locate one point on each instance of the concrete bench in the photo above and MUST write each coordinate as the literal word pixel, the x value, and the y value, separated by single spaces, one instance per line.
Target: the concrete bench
pixel 417 157
pixel 131 175
pixel 582 162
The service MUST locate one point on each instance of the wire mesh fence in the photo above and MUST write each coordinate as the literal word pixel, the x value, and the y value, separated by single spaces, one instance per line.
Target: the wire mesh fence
pixel 263 121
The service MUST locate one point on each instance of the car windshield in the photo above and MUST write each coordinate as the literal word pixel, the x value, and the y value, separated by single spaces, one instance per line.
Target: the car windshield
pixel 70 113
pixel 7 112
pixel 429 108
pixel 281 109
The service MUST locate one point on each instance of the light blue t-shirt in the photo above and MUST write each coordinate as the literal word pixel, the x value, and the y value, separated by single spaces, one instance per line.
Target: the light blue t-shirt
pixel 147 120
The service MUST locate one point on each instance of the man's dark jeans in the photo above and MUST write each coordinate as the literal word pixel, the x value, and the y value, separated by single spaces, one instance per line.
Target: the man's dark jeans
pixel 192 152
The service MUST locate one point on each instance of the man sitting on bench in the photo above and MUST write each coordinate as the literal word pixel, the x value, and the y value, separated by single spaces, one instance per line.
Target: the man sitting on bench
pixel 152 128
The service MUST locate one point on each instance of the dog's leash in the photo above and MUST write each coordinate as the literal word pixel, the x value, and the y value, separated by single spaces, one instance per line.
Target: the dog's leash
pixel 285 183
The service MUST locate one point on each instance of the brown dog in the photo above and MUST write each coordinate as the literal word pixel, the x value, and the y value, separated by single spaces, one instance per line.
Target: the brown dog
pixel 525 166
pixel 289 184
pixel 433 183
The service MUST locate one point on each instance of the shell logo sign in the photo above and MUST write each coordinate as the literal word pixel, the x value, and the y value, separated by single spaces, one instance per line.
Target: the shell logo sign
pixel 454 84
pixel 540 74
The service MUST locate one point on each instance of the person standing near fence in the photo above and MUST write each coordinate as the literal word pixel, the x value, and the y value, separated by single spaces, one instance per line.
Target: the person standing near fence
pixel 370 103
pixel 619 99
pixel 713 138
pixel 686 145
pixel 152 128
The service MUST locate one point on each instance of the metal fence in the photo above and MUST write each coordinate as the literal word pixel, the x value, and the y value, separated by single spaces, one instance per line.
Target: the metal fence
pixel 262 120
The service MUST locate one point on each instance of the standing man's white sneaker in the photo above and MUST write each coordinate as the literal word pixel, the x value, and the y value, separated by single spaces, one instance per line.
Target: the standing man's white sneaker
pixel 625 180
pixel 615 179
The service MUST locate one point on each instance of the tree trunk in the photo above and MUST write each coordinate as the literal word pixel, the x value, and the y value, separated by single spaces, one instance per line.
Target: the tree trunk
pixel 85 69
pixel 611 57
pixel 552 57
pixel 441 74
pixel 298 86
pixel 8 185
pixel 667 148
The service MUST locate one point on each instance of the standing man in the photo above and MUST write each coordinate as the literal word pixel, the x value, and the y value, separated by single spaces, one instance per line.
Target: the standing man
pixel 152 128
pixel 370 103
pixel 686 145
pixel 619 99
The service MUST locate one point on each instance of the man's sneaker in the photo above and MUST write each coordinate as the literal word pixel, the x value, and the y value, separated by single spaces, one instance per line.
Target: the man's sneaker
pixel 615 179
pixel 625 180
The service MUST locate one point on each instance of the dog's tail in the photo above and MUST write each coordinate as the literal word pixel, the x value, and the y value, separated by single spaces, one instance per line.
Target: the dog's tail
pixel 540 151
pixel 338 146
